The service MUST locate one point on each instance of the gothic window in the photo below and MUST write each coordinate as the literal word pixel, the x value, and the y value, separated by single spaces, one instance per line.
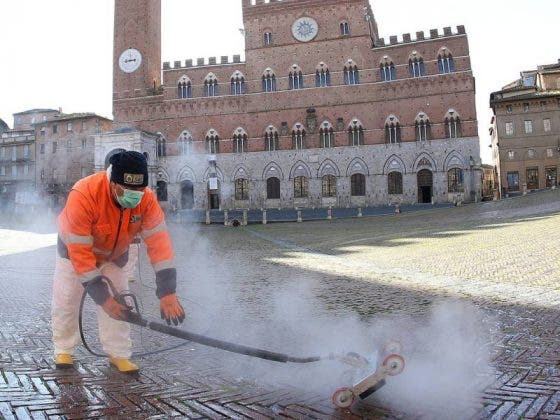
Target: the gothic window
pixel 445 61
pixel 268 81
pixel 301 187
pixel 392 130
pixel 322 76
pixel 184 88
pixel 355 133
pixel 212 142
pixel 211 85
pixel 239 141
pixel 395 183
pixel 452 125
pixel 326 133
pixel 273 188
pixel 344 28
pixel 185 143
pixel 241 189
pixel 387 69
pixel 267 38
pixel 351 73
pixel 416 66
pixel 455 180
pixel 358 185
pixel 271 139
pixel 298 137
pixel 295 78
pixel 237 83
pixel 422 127
pixel 328 186
pixel 161 147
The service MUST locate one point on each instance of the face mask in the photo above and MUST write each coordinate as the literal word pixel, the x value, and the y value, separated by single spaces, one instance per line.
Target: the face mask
pixel 130 198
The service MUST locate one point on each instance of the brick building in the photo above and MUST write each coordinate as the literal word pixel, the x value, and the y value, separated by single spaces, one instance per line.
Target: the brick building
pixel 322 111
pixel 526 131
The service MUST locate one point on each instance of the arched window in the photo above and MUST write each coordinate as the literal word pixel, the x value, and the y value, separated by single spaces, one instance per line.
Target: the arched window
pixel 267 38
pixel 358 185
pixel 185 143
pixel 212 142
pixel 271 139
pixel 355 133
pixel 392 130
pixel 273 188
pixel 452 124
pixel 395 183
pixel 422 127
pixel 387 69
pixel 161 147
pixel 344 28
pixel 416 66
pixel 268 81
pixel 455 180
pixel 184 88
pixel 298 137
pixel 161 190
pixel 326 133
pixel 237 83
pixel 322 76
pixel 295 78
pixel 241 189
pixel 445 61
pixel 239 141
pixel 301 187
pixel 328 186
pixel 351 73
pixel 211 85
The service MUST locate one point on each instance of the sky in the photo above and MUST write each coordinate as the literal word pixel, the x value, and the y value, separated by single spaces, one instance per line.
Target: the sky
pixel 58 53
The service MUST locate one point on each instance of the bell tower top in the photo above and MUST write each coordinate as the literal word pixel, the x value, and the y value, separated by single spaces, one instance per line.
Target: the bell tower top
pixel 136 48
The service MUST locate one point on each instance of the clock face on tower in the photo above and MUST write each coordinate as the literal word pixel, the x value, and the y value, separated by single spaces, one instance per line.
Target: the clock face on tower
pixel 305 29
pixel 130 60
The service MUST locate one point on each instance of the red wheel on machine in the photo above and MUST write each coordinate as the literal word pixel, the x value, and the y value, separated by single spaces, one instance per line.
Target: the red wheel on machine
pixel 343 398
pixel 394 364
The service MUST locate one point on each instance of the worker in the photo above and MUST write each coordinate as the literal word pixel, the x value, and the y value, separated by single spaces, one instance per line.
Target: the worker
pixel 102 216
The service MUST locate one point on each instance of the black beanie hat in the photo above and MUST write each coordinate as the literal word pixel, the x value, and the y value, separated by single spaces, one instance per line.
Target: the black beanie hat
pixel 129 169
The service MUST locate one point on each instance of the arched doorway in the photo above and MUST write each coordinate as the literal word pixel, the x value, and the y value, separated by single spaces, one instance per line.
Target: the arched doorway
pixel 425 186
pixel 213 193
pixel 110 154
pixel 187 195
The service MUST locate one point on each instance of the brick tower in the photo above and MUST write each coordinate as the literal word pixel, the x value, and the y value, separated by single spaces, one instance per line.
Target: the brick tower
pixel 136 49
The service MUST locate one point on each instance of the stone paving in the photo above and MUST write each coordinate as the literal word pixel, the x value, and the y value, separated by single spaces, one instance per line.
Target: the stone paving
pixel 311 288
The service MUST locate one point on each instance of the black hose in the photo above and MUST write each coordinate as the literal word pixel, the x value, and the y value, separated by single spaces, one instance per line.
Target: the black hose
pixel 136 319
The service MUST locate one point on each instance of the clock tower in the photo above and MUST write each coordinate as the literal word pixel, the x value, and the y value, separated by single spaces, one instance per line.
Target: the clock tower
pixel 136 49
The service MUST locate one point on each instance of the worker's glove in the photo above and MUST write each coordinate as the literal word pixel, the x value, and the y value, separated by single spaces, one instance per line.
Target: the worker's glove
pixel 98 290
pixel 171 310
pixel 115 309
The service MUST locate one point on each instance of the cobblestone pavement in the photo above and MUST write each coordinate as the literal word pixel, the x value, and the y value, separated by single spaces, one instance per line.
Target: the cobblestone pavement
pixel 313 288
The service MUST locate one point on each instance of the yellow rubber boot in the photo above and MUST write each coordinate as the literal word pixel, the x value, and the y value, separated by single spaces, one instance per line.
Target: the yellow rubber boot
pixel 63 361
pixel 123 365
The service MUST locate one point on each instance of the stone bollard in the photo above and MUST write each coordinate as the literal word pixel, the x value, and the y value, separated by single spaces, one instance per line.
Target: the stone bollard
pixel 299 219
pixel 207 217
pixel 524 189
pixel 329 213
pixel 264 217
pixel 359 212
pixel 244 218
pixel 225 217
pixel 397 208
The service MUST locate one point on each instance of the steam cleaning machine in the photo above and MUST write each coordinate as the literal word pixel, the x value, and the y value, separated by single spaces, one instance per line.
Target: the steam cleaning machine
pixel 391 362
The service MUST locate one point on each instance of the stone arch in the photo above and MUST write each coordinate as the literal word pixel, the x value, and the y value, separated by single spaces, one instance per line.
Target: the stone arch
pixel 273 170
pixel 444 52
pixel 300 169
pixel 394 164
pixel 357 166
pixel 162 174
pixel 328 167
pixel 454 160
pixel 218 173
pixel 184 79
pixel 186 174
pixel 386 60
pixel 241 172
pixel 424 161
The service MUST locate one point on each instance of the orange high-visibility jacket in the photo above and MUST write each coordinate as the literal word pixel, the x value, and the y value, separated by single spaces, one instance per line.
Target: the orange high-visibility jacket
pixel 94 229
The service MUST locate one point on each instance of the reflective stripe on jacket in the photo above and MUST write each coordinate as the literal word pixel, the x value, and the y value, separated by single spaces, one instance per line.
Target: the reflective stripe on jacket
pixel 95 230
